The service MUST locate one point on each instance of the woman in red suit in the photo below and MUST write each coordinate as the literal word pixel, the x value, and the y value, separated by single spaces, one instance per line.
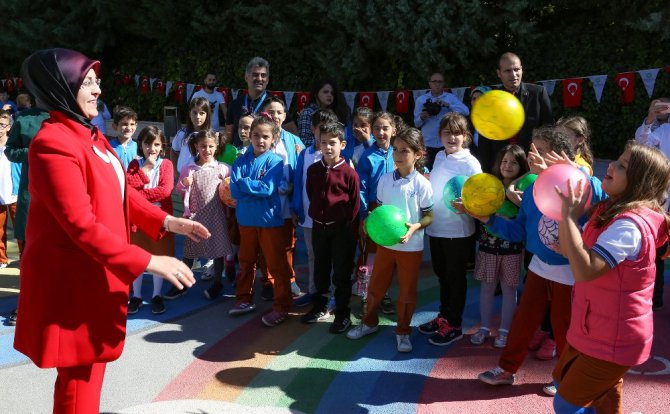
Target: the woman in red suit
pixel 78 264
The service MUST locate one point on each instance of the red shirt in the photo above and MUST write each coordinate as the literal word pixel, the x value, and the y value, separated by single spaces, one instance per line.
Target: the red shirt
pixel 333 193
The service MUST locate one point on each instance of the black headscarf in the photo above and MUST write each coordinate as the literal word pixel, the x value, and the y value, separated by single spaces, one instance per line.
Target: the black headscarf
pixel 54 77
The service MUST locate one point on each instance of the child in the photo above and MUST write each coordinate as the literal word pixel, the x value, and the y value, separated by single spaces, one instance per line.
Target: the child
pixel 287 147
pixel 10 174
pixel 255 180
pixel 300 201
pixel 411 192
pixel 151 174
pixel 579 134
pixel 498 260
pixel 333 192
pixel 124 122
pixel 199 119
pixel 198 185
pixel 612 260
pixel 362 136
pixel 548 279
pixel 451 235
pixel 243 131
pixel 375 162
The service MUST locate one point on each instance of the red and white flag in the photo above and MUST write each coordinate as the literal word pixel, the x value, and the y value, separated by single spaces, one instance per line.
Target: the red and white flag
pixel 402 101
pixel 302 99
pixel 572 92
pixel 626 82
pixel 366 99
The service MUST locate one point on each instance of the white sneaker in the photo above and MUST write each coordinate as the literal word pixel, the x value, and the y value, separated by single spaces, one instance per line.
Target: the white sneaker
pixel 404 344
pixel 3 265
pixel 360 331
pixel 549 389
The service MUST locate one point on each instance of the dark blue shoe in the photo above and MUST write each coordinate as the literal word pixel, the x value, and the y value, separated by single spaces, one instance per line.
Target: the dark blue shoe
pixel 303 300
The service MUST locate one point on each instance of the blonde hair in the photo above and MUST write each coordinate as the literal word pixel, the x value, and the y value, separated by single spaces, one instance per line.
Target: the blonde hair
pixel 580 127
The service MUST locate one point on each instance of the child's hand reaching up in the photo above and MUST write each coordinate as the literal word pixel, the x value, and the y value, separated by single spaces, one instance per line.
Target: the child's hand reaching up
pixel 573 203
pixel 552 158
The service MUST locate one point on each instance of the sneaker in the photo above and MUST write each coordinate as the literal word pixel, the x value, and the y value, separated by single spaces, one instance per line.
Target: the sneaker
pixel 229 291
pixel 549 389
pixel 547 351
pixel 134 305
pixel 497 376
pixel 3 265
pixel 386 306
pixel 274 318
pixel 295 290
pixel 13 317
pixel 501 339
pixel 303 300
pixel 268 292
pixel 317 313
pixel 331 305
pixel 430 328
pixel 537 340
pixel 360 331
pixel 445 334
pixel 213 291
pixel 207 271
pixel 157 305
pixel 241 307
pixel 404 344
pixel 174 293
pixel 230 270
pixel 340 325
pixel 480 336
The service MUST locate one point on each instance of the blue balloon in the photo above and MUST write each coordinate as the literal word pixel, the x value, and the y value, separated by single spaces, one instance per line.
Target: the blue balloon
pixel 452 190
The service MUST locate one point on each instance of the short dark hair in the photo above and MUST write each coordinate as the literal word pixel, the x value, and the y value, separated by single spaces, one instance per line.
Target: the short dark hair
pixel 121 112
pixel 335 129
pixel 323 116
pixel 271 99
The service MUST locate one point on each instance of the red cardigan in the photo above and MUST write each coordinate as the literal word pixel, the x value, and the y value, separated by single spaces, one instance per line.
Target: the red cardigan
pixel 162 193
pixel 77 263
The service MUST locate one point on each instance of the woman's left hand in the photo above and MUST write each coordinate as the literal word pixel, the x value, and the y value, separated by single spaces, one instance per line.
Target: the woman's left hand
pixel 573 203
pixel 189 228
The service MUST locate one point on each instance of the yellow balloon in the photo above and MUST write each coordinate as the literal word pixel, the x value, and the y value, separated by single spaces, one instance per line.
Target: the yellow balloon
pixel 483 194
pixel 498 115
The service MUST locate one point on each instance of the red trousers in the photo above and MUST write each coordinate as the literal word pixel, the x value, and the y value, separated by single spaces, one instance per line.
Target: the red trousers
pixel 269 242
pixel 539 294
pixel 407 265
pixel 4 209
pixel 77 389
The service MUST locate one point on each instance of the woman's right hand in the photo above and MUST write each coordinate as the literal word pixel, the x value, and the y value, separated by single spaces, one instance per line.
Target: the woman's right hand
pixel 172 270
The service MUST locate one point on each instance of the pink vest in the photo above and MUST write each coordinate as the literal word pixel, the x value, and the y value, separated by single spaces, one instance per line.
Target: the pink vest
pixel 611 315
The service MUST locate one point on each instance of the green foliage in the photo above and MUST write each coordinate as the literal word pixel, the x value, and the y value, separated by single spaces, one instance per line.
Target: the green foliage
pixel 367 45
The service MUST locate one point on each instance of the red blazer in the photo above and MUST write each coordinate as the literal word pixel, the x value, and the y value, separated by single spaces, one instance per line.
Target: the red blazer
pixel 160 194
pixel 77 263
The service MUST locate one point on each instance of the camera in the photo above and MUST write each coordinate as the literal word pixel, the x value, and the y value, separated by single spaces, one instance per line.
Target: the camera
pixel 433 108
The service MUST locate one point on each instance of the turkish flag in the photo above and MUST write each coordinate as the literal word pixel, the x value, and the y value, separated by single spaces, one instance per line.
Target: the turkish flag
pixel 226 94
pixel 19 83
pixel 572 92
pixel 144 84
pixel 402 101
pixel 160 86
pixel 302 98
pixel 9 85
pixel 278 94
pixel 626 82
pixel 180 90
pixel 126 79
pixel 366 99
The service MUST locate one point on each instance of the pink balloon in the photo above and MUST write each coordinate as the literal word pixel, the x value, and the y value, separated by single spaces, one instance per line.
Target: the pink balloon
pixel 544 191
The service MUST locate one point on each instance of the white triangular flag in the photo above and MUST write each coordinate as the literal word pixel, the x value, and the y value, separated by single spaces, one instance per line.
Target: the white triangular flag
pixel 189 91
pixel 234 92
pixel 649 79
pixel 168 86
pixel 288 95
pixel 418 92
pixel 459 92
pixel 151 83
pixel 137 80
pixel 383 97
pixel 598 82
pixel 549 85
pixel 349 98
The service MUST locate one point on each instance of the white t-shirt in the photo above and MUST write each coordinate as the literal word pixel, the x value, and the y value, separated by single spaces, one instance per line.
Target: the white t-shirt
pixel 180 144
pixel 215 100
pixel 413 195
pixel 620 241
pixel 6 183
pixel 310 158
pixel 446 223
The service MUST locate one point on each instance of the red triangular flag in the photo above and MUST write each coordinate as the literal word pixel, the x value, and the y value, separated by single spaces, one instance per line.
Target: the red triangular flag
pixel 572 92
pixel 126 79
pixel 144 84
pixel 366 99
pixel 9 85
pixel 402 101
pixel 19 83
pixel 180 91
pixel 626 82
pixel 160 87
pixel 226 94
pixel 302 98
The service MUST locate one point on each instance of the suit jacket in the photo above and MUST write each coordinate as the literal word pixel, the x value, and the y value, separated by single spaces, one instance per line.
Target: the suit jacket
pixel 78 263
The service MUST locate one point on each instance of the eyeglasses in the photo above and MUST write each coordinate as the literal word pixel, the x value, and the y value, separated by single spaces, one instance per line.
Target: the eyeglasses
pixel 88 83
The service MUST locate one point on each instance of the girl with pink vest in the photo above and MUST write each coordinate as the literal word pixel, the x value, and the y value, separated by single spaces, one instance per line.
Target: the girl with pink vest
pixel 613 262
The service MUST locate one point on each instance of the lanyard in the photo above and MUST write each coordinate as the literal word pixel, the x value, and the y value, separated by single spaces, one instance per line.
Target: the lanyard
pixel 258 105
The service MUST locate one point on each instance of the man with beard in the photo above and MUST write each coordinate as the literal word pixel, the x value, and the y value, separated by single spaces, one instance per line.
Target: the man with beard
pixel 215 98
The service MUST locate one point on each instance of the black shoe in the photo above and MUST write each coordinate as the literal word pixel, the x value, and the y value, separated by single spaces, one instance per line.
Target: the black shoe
pixel 430 328
pixel 445 334
pixel 317 313
pixel 134 305
pixel 268 292
pixel 340 325
pixel 174 293
pixel 213 291
pixel 157 305
pixel 12 317
pixel 386 306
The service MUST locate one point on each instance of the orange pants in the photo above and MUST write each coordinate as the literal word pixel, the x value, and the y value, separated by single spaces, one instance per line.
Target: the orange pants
pixel 407 265
pixel 289 240
pixel 77 389
pixel 4 209
pixel 268 241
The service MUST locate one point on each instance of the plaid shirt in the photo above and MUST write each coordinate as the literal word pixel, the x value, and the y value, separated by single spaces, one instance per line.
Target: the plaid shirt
pixel 305 124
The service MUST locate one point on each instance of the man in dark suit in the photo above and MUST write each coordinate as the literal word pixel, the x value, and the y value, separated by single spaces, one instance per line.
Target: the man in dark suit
pixel 534 99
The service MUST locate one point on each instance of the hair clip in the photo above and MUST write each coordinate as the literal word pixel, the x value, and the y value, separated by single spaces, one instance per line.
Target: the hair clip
pixel 266 115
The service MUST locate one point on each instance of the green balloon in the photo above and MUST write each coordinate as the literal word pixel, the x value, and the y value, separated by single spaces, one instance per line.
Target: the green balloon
pixel 452 190
pixel 229 154
pixel 386 225
pixel 525 182
pixel 508 209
